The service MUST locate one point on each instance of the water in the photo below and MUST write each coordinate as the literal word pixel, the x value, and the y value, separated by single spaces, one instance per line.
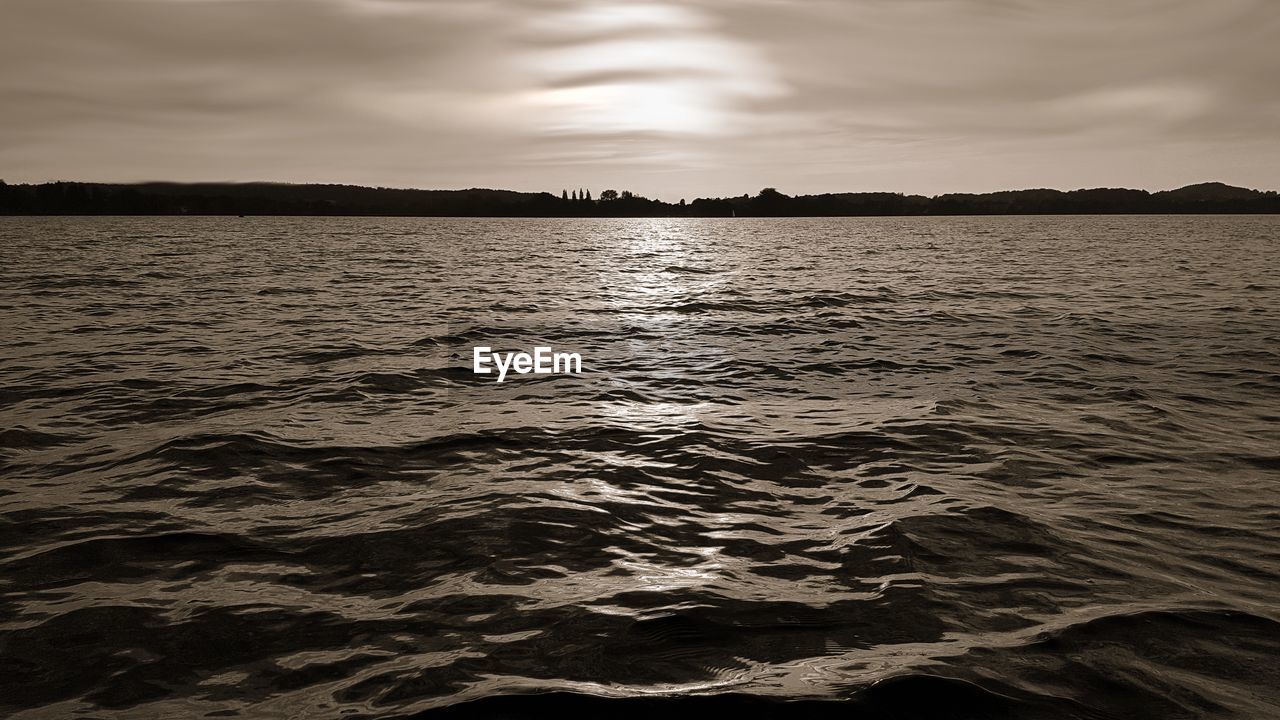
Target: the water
pixel 952 466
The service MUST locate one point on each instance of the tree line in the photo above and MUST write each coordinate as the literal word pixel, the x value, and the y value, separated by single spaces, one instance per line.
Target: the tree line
pixel 77 198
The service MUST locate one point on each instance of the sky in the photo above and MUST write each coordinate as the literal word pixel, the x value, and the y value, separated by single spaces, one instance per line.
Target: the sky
pixel 673 100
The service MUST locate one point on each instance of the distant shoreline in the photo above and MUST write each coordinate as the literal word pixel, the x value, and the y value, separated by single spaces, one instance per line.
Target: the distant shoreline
pixel 355 216
pixel 274 199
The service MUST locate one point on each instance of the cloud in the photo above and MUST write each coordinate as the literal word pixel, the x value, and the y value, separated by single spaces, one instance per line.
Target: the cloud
pixel 602 71
pixel 1146 92
pixel 688 98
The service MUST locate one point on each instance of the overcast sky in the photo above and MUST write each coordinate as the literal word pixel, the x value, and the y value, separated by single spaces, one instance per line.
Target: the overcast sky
pixel 679 99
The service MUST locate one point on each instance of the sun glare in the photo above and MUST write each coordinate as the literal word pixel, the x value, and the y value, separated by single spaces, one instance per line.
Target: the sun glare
pixel 640 68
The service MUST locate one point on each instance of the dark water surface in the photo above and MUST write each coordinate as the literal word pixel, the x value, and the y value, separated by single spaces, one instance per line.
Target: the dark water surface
pixel 951 467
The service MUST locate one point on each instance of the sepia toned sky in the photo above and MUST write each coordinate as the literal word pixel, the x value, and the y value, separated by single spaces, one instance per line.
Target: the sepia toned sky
pixel 668 99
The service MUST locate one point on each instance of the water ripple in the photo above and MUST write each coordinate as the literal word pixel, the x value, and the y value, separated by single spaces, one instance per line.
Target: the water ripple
pixel 961 467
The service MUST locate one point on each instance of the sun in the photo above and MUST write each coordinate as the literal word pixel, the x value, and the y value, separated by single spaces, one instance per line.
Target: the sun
pixel 632 68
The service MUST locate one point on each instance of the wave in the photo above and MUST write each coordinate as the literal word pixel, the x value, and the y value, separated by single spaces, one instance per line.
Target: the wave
pixel 987 478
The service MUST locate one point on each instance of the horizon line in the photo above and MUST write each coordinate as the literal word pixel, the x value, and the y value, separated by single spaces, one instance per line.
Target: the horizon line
pixel 550 192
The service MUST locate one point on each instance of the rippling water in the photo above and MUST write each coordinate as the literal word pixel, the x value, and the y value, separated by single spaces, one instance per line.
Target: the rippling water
pixel 952 467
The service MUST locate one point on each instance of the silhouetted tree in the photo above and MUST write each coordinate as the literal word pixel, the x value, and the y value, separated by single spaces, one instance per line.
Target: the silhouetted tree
pixel 608 196
pixel 772 202
pixel 281 199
